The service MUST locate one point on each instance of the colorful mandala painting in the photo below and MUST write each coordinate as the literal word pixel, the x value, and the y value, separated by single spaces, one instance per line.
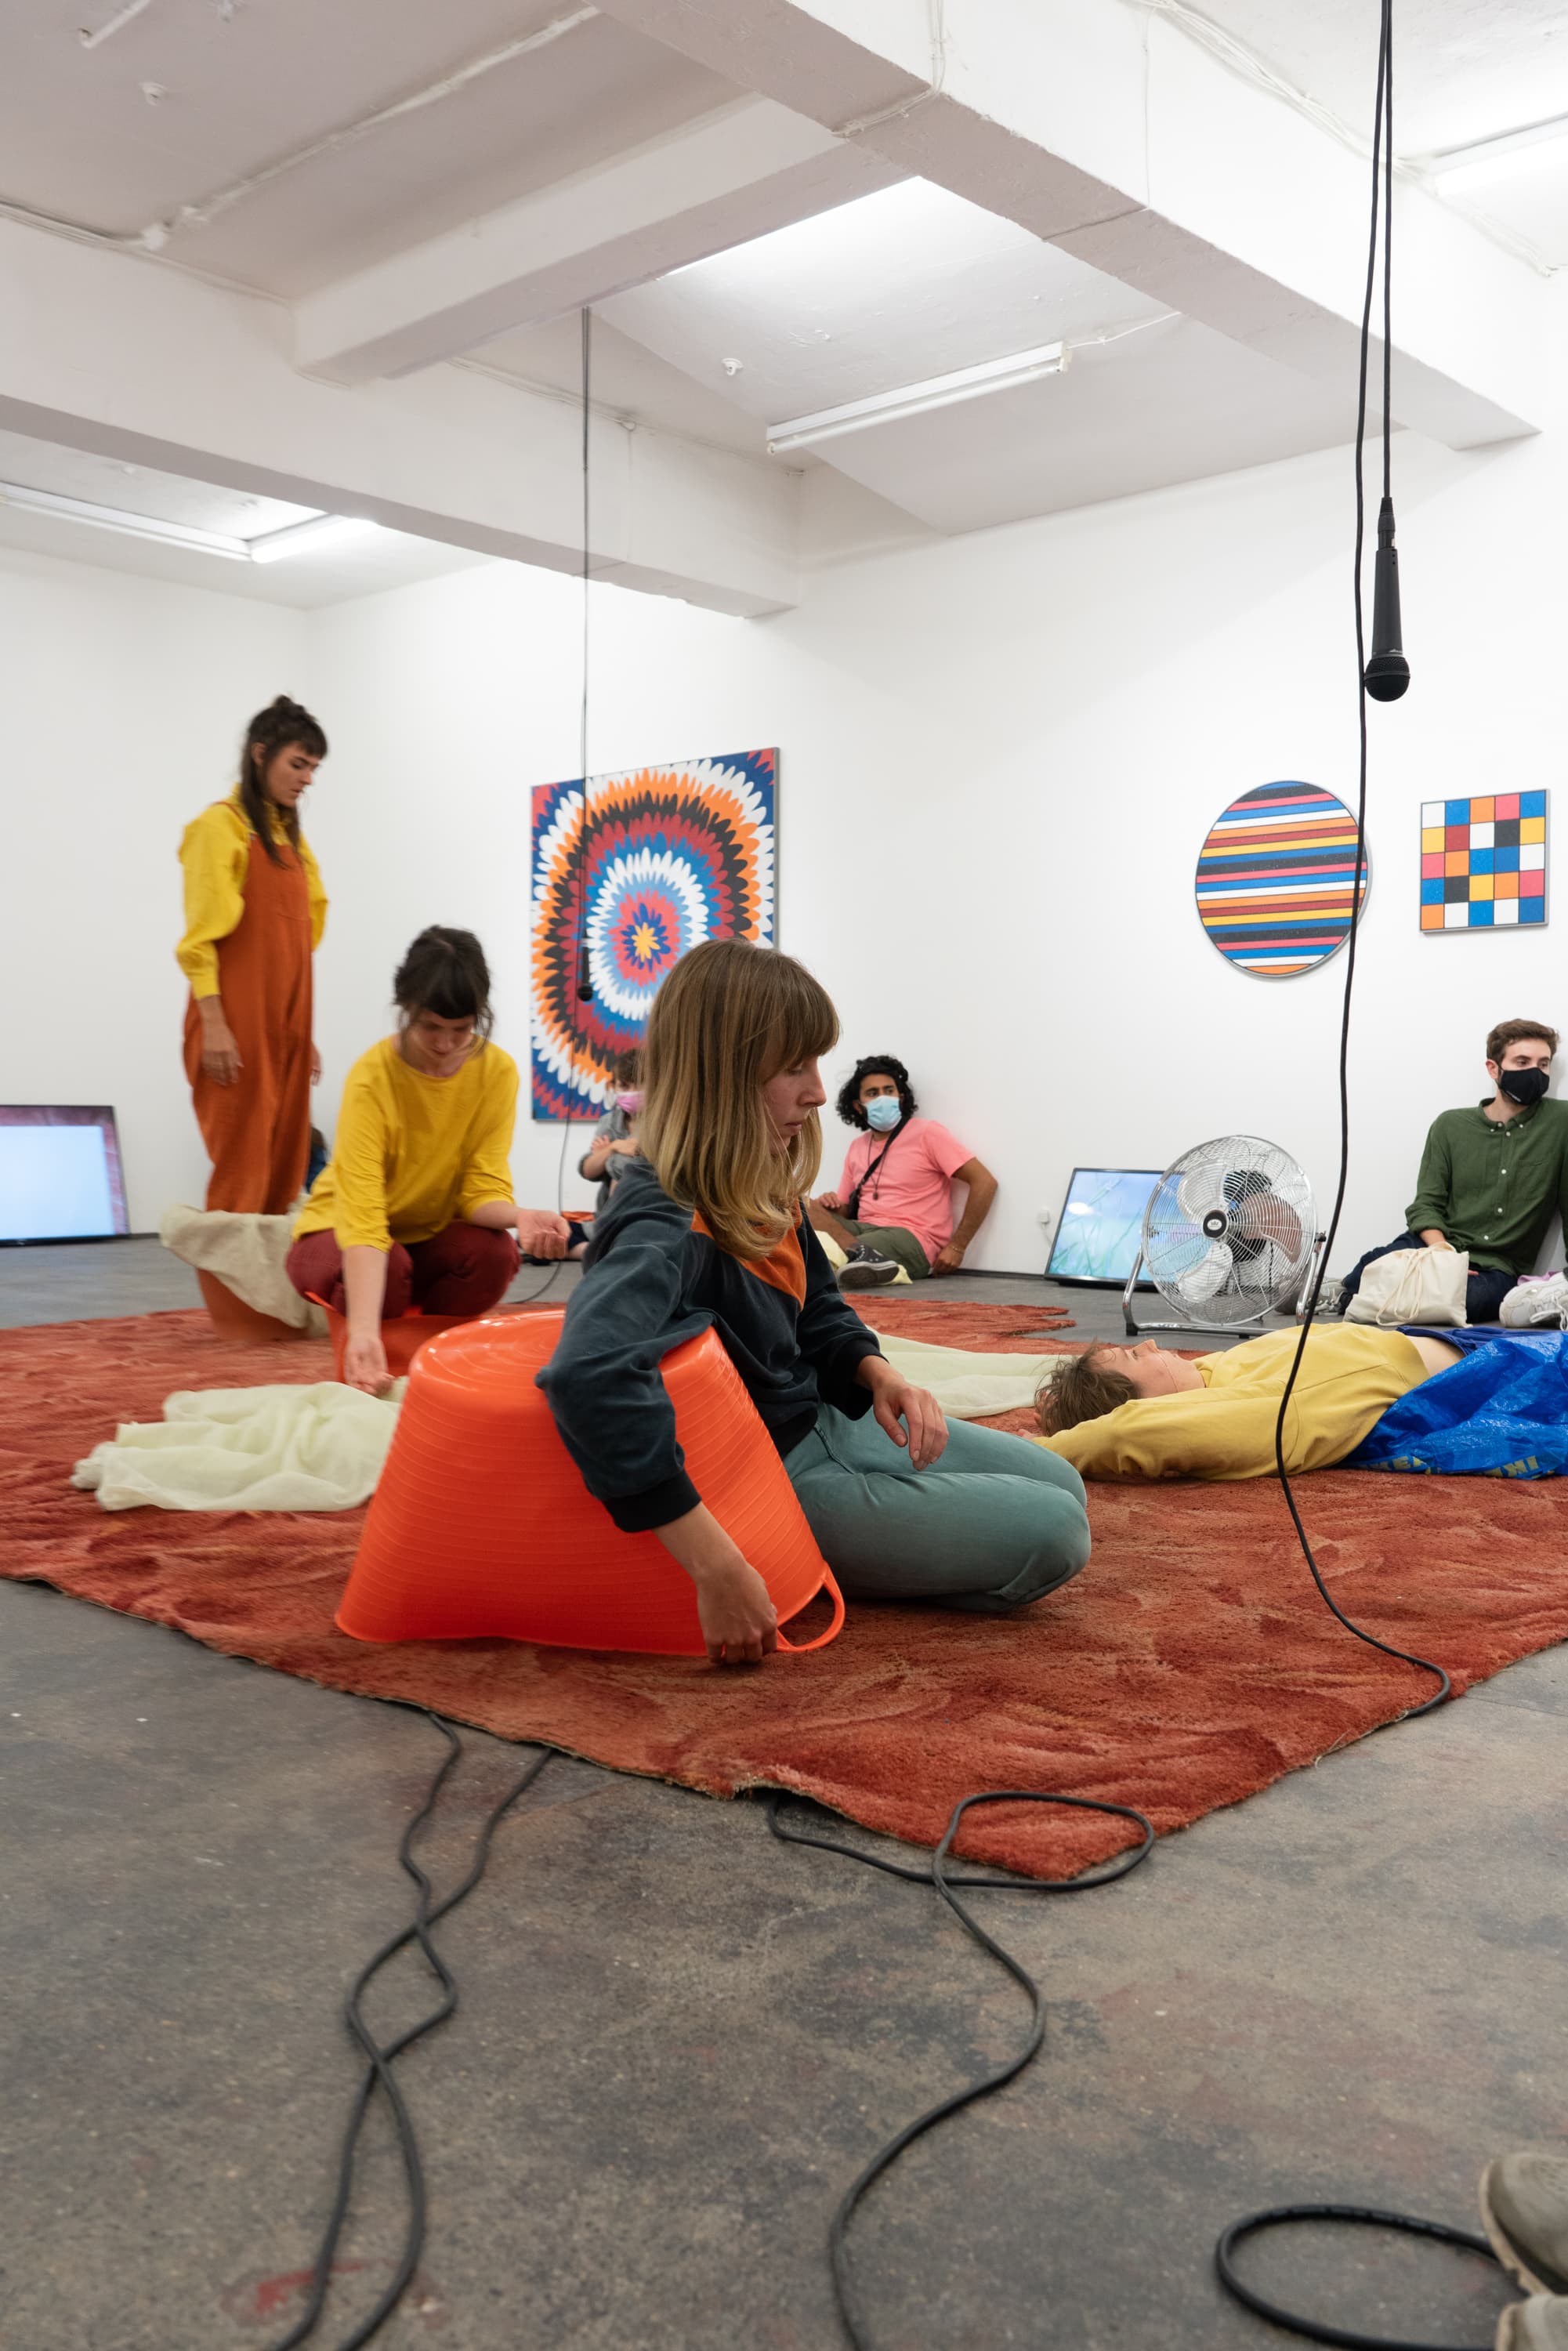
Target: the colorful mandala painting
pixel 1483 862
pixel 673 855
pixel 1275 877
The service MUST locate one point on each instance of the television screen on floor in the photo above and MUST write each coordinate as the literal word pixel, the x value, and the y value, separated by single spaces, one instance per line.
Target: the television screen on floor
pixel 59 1172
pixel 1101 1225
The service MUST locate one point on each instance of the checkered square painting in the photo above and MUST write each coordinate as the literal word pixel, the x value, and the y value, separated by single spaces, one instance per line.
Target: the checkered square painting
pixel 1483 862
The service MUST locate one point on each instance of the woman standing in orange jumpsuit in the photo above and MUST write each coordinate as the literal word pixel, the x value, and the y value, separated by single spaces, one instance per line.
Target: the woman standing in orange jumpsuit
pixel 255 913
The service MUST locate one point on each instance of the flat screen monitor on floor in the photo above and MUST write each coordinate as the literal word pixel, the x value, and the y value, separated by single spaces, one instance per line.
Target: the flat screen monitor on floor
pixel 1101 1225
pixel 59 1172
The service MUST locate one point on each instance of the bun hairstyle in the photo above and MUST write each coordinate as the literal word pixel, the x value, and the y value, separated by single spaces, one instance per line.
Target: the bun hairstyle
pixel 874 1065
pixel 445 972
pixel 272 730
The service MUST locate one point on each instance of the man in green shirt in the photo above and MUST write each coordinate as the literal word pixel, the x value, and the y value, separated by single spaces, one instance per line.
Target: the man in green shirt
pixel 1492 1177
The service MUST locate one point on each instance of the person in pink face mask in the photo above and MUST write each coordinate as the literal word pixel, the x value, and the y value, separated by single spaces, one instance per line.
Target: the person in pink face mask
pixel 615 1138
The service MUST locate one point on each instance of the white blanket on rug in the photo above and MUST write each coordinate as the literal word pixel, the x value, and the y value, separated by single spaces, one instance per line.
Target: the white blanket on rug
pixel 274 1449
pixel 322 1448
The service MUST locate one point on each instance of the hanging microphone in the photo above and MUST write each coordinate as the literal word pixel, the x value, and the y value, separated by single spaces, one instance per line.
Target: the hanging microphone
pixel 585 969
pixel 1387 672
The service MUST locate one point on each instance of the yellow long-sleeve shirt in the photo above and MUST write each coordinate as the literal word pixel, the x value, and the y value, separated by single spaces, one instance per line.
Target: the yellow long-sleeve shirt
pixel 413 1154
pixel 214 850
pixel 1351 1374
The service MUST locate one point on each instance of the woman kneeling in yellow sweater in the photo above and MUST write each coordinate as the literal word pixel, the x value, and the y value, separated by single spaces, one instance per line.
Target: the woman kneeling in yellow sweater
pixel 1143 1411
pixel 415 1206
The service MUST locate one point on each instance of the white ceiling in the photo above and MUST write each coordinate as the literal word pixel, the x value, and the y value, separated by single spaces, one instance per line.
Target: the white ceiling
pixel 1465 70
pixel 192 96
pixel 78 137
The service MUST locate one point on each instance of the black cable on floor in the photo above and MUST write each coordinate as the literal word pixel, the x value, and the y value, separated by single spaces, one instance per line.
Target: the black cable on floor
pixel 948 1888
pixel 1382 163
pixel 1364 2215
pixel 379 2055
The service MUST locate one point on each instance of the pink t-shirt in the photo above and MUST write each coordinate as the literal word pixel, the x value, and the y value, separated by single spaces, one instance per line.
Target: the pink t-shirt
pixel 913 1187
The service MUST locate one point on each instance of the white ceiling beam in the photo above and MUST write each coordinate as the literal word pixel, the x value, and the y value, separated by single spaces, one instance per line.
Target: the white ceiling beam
pixel 104 351
pixel 731 176
pixel 1106 131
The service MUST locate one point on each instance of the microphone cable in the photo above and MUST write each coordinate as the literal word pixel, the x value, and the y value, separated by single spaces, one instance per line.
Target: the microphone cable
pixel 578 981
pixel 1382 197
pixel 1285 2215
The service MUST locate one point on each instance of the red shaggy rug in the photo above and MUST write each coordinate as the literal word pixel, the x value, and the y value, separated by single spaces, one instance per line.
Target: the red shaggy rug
pixel 1189 1666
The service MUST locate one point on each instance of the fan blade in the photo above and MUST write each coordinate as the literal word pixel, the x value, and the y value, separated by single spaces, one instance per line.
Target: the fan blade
pixel 1267 1218
pixel 1205 1279
pixel 1199 1189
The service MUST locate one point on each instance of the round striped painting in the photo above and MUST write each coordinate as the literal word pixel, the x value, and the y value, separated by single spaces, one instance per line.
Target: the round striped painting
pixel 1274 879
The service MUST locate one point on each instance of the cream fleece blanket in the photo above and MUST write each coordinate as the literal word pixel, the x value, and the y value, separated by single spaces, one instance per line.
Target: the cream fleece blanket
pixel 274 1449
pixel 321 1448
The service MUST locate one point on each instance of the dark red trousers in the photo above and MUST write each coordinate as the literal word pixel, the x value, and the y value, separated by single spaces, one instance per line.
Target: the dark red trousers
pixel 464 1270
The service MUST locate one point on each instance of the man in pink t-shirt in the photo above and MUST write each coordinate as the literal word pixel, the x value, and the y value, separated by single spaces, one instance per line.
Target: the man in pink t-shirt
pixel 893 1206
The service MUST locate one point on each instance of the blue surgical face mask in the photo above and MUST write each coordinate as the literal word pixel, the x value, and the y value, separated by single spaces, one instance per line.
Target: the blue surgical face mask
pixel 883 1114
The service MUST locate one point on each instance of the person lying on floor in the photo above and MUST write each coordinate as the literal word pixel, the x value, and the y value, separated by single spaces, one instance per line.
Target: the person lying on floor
pixel 705 1229
pixel 414 1207
pixel 1460 1401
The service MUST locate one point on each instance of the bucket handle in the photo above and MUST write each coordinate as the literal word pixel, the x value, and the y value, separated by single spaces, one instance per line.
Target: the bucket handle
pixel 829 1585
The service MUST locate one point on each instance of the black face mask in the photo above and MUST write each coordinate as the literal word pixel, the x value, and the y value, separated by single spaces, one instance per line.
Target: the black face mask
pixel 1524 1086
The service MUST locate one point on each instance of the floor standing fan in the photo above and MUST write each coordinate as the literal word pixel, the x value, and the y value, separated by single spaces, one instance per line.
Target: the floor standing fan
pixel 1228 1236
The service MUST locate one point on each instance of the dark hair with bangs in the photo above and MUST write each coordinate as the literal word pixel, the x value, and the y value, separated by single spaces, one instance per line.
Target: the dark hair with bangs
pixel 445 972
pixel 272 730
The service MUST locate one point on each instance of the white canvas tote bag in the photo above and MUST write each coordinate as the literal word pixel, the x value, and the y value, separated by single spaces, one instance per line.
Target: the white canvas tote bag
pixel 1415 1285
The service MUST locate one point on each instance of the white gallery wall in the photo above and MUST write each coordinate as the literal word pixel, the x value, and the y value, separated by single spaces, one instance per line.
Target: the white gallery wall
pixel 123 702
pixel 999 757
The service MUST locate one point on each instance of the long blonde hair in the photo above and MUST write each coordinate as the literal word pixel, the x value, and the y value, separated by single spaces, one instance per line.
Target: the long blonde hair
pixel 729 1018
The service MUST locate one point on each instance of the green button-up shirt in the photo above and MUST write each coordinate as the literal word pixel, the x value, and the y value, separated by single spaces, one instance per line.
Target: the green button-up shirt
pixel 1493 1189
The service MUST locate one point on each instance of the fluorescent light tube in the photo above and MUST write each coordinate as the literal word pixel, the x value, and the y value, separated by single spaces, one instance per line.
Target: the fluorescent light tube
pixel 916 399
pixel 1456 163
pixel 303 538
pixel 133 526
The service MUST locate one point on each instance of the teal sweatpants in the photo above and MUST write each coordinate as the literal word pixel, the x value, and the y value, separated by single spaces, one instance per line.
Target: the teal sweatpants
pixel 995 1523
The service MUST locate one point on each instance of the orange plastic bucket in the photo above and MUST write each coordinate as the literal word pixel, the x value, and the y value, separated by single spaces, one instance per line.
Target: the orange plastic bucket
pixel 482 1526
pixel 401 1338
pixel 233 1319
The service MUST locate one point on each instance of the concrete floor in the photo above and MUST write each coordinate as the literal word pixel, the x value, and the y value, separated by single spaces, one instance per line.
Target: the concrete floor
pixel 677 2042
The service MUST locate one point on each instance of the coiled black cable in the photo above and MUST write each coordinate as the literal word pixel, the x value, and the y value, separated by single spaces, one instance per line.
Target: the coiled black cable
pixel 947 1887
pixel 1364 2215
pixel 379 2055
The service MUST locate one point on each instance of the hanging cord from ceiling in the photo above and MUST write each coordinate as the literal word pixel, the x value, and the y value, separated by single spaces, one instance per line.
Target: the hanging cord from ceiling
pixel 578 982
pixel 155 236
pixel 1246 62
pixel 1293 2215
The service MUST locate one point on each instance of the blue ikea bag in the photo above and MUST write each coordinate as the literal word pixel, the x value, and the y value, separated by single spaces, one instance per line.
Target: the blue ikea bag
pixel 1500 1412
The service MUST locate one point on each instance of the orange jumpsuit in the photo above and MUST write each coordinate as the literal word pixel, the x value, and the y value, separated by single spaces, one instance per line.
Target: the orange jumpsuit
pixel 257 1131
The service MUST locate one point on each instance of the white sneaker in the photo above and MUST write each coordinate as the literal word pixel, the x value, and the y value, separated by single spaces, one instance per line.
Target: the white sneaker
pixel 1538 1299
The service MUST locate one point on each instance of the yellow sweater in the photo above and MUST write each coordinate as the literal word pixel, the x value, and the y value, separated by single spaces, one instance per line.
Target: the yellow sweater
pixel 215 852
pixel 413 1154
pixel 1350 1376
